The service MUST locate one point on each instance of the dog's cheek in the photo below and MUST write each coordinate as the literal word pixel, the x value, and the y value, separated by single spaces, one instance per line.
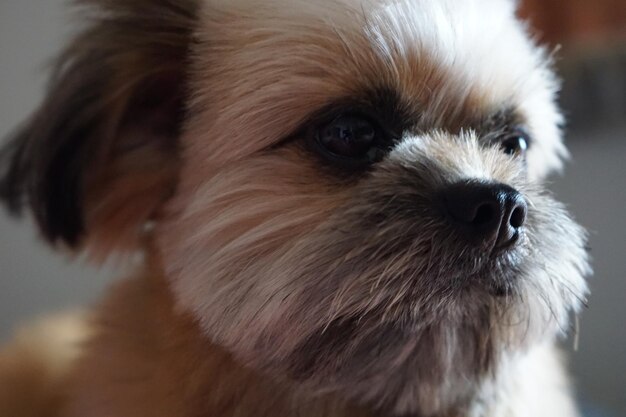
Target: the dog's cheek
pixel 228 243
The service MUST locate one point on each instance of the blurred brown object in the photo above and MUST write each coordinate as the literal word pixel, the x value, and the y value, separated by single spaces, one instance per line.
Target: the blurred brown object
pixel 592 61
pixel 576 21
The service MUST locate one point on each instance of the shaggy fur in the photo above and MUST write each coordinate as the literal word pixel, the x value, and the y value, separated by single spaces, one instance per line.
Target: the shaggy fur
pixel 99 156
pixel 274 282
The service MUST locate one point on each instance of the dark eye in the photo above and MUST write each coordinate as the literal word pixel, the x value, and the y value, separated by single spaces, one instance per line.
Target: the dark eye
pixel 353 138
pixel 515 143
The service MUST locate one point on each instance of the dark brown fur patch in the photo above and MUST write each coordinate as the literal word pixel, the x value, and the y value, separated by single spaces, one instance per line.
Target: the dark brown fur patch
pixel 119 87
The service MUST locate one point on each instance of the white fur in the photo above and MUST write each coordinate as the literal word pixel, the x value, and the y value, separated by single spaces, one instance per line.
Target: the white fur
pixel 265 73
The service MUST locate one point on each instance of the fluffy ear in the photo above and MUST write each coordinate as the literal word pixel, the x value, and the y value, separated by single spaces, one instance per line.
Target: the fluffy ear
pixel 98 158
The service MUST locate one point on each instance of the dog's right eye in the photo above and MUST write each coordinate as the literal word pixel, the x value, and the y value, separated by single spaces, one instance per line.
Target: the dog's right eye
pixel 515 143
pixel 350 138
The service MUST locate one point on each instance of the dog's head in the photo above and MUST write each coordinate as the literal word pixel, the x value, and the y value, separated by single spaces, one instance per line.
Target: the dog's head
pixel 345 194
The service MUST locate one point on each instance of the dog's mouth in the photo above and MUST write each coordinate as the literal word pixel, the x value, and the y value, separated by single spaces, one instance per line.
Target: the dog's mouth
pixel 500 272
pixel 496 269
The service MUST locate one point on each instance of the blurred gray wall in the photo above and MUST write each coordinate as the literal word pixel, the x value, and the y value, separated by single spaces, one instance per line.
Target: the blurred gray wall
pixel 594 188
pixel 34 281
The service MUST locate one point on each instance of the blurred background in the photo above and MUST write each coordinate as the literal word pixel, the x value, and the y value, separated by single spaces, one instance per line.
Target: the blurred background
pixel 592 61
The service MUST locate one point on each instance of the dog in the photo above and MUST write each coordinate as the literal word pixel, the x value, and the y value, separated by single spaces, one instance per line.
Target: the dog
pixel 332 208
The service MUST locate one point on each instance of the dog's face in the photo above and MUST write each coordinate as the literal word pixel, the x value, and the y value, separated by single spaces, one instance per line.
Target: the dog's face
pixel 352 201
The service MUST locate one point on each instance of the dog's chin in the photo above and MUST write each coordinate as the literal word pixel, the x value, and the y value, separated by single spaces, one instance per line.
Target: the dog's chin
pixel 435 367
pixel 417 368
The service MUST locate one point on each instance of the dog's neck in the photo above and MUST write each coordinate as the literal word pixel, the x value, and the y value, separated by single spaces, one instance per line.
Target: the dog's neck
pixel 146 358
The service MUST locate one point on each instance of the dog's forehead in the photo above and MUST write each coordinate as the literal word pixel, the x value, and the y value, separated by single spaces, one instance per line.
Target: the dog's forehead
pixel 267 65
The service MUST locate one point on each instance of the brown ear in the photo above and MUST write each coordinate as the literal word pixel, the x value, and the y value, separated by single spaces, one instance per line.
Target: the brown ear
pixel 97 159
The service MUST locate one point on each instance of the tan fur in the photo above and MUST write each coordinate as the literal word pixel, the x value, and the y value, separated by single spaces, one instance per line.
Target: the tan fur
pixel 35 366
pixel 134 169
pixel 124 197
pixel 146 359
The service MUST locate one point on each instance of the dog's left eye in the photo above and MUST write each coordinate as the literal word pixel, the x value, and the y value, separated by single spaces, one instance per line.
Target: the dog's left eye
pixel 350 138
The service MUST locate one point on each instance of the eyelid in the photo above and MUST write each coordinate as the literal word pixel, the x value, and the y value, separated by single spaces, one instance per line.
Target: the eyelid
pixel 494 137
pixel 524 133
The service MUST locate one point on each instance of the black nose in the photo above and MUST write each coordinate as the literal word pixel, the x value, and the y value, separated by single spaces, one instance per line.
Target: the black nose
pixel 489 214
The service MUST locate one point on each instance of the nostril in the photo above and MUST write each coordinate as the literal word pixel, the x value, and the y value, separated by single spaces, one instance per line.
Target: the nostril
pixel 518 217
